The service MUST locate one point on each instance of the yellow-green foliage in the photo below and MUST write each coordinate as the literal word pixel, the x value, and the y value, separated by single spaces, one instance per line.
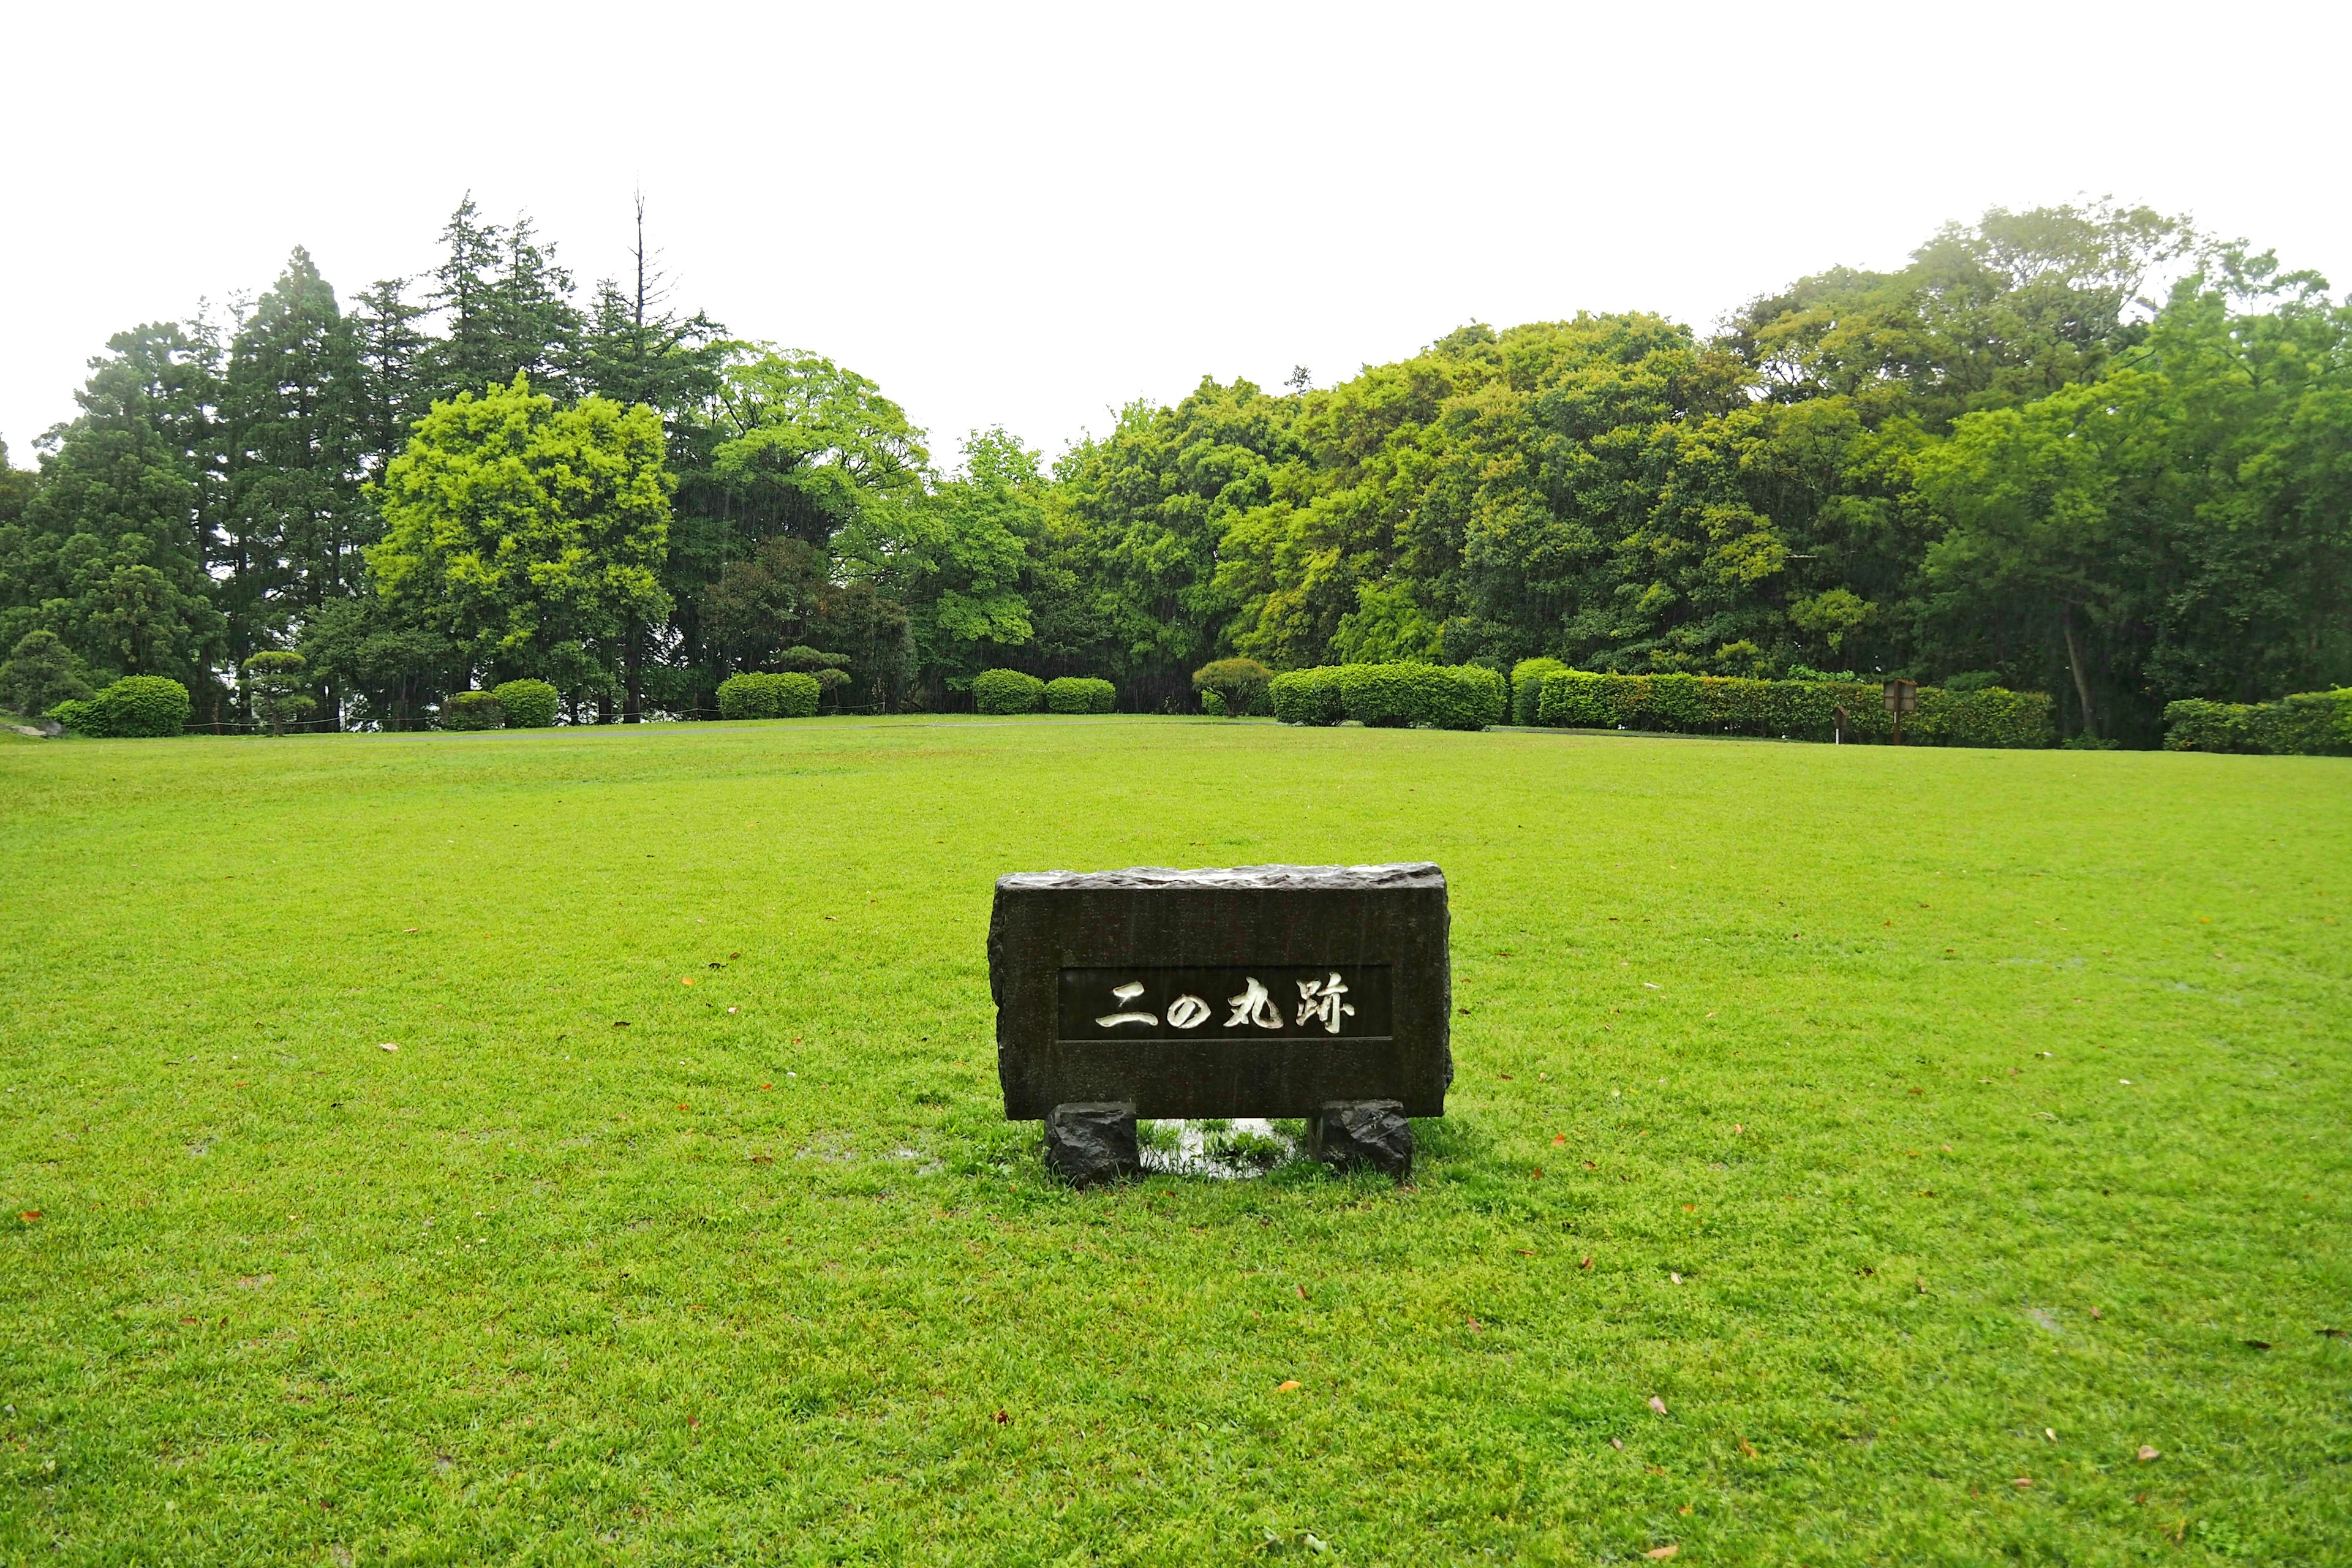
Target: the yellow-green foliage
pixel 761 694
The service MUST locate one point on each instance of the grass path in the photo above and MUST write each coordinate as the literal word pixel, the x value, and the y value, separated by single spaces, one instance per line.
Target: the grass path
pixel 1970 1096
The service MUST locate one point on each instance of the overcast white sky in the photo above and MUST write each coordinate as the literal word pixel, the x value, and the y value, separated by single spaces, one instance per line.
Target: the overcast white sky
pixel 1028 214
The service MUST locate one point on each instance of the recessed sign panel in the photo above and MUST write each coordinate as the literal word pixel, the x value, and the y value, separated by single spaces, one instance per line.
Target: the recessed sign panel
pixel 1230 1002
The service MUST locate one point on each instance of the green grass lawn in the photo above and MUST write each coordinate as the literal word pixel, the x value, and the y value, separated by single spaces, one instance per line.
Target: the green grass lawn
pixel 1912 1125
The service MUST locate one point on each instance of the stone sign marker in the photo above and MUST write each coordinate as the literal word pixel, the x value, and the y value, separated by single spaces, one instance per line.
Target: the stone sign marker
pixel 1322 992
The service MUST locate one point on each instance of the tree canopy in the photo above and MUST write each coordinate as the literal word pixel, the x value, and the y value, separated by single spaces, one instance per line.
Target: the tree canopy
pixel 2086 449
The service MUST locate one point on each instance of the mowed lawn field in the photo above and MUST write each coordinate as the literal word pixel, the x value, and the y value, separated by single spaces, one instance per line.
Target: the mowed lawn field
pixel 1856 1155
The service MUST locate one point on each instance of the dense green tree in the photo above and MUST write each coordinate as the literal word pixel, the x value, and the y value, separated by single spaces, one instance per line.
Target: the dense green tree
pixel 957 557
pixel 506 308
pixel 390 347
pixel 386 659
pixel 290 408
pixel 791 445
pixel 1138 519
pixel 41 673
pixel 2181 527
pixel 1984 316
pixel 274 682
pixel 105 556
pixel 530 535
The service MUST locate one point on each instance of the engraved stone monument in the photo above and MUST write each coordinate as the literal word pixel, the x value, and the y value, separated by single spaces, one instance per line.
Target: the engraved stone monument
pixel 1321 991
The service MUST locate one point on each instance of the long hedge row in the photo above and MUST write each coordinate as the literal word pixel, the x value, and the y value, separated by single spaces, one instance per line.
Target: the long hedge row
pixel 2308 724
pixel 1795 709
pixel 1392 696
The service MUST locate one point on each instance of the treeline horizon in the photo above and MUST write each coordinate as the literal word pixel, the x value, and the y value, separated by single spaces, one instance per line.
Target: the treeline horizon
pixel 2087 450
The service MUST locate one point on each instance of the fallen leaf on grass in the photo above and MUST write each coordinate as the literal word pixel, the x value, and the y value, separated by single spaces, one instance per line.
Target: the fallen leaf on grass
pixel 29 1215
pixel 2096 1315
pixel 1559 1138
pixel 1536 1172
pixel 1657 1405
pixel 1748 1449
pixel 685 980
pixel 387 1045
pixel 1001 1418
pixel 1476 1327
pixel 1618 1444
pixel 1674 1277
pixel 1302 1291
pixel 2258 1344
pixel 2023 1481
pixel 2147 1452
pixel 694 1420
pixel 767 1085
pixel 763 1159
pixel 1660 1554
pixel 620 1023
pixel 1586 1264
pixel 1288 1385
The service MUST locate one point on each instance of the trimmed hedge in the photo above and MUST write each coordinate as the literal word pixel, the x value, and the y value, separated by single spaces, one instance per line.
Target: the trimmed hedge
pixel 1079 694
pixel 136 705
pixel 1006 691
pixel 761 694
pixel 1391 696
pixel 1306 696
pixel 2308 724
pixel 470 711
pixel 1796 710
pixel 1527 676
pixel 527 704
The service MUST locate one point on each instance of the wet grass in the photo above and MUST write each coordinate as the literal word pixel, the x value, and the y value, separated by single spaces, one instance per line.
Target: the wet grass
pixel 1926 1132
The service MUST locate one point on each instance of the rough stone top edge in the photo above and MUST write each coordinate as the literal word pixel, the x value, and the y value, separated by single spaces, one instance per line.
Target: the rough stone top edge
pixel 1300 878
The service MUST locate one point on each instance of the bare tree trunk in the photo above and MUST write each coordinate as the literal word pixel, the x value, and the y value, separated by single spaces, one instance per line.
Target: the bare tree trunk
pixel 633 705
pixel 2074 663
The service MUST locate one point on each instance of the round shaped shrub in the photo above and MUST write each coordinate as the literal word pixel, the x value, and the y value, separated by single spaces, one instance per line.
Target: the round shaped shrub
pixel 470 711
pixel 1242 682
pixel 1079 694
pixel 143 705
pixel 527 704
pixel 1006 691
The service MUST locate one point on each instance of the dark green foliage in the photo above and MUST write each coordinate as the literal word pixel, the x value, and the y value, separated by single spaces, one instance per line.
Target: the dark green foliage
pixel 471 711
pixel 388 667
pixel 754 694
pixel 2308 724
pixel 1527 676
pixel 1080 694
pixel 291 407
pixel 1792 710
pixel 1240 683
pixel 1006 691
pixel 41 672
pixel 527 704
pixel 136 705
pixel 1307 695
pixel 276 688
